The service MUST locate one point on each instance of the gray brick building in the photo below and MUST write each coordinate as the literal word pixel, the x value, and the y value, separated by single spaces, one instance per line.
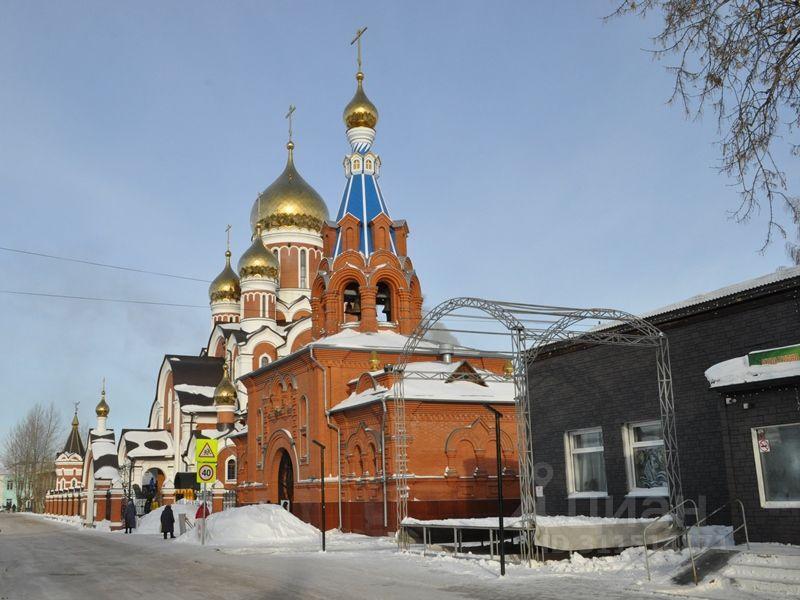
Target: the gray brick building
pixel 595 410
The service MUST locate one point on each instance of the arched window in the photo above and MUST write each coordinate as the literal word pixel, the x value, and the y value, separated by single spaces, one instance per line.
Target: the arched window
pixel 263 298
pixel 230 469
pixel 264 360
pixel 383 303
pixel 357 164
pixel 303 268
pixel 369 163
pixel 352 302
pixel 277 255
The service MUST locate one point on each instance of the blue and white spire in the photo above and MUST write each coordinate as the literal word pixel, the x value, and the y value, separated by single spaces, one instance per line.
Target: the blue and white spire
pixel 362 195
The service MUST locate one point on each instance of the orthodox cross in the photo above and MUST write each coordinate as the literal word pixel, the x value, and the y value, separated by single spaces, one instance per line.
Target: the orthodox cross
pixel 228 233
pixel 288 116
pixel 357 39
pixel 76 406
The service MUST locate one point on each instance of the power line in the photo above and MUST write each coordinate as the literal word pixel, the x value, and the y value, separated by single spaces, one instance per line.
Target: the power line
pixel 99 264
pixel 120 300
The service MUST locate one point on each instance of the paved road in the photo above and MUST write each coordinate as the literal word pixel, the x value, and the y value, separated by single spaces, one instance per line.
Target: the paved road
pixel 40 560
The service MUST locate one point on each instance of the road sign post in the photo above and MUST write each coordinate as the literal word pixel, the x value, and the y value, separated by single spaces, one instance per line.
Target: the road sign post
pixel 205 457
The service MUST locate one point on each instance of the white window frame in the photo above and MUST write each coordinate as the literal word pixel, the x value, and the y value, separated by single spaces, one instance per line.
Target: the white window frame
pixel 231 459
pixel 302 276
pixel 760 475
pixel 569 451
pixel 630 446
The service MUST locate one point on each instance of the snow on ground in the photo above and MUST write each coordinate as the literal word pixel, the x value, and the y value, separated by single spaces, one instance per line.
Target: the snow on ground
pixel 255 525
pixel 151 522
pixel 72 521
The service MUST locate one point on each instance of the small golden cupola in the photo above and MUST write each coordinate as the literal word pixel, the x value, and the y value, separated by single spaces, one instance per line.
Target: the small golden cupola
pixel 225 287
pixel 289 201
pixel 102 408
pixel 257 261
pixel 360 111
pixel 225 392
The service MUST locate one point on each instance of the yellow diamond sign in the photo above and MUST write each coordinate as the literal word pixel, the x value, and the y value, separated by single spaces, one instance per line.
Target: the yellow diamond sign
pixel 205 452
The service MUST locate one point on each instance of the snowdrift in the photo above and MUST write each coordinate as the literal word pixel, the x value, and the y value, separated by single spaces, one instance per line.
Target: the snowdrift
pixel 151 522
pixel 255 525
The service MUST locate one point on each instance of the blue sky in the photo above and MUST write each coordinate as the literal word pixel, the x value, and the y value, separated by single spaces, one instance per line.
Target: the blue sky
pixel 528 144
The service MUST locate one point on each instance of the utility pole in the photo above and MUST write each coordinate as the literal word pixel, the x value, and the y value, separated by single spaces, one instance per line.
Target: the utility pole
pixel 502 536
pixel 322 487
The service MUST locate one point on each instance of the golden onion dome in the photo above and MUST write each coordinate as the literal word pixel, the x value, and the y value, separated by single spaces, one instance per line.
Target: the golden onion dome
pixel 257 261
pixel 289 202
pixel 360 112
pixel 225 392
pixel 102 408
pixel 225 286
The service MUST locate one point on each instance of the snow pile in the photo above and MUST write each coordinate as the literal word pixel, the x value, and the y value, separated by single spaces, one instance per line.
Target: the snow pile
pixel 74 521
pixel 255 525
pixel 151 522
pixel 541 521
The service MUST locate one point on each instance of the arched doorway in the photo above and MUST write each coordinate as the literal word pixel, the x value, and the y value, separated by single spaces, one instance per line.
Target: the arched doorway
pixel 285 478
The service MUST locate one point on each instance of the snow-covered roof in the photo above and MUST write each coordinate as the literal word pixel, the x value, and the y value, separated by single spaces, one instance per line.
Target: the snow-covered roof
pixel 146 443
pixel 381 340
pixel 431 388
pixel 104 454
pixel 739 371
pixel 781 274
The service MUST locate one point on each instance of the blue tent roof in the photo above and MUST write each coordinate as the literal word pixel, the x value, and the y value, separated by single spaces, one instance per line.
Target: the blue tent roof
pixel 363 199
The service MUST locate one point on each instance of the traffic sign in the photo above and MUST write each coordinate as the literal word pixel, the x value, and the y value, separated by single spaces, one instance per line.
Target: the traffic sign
pixel 206 473
pixel 205 451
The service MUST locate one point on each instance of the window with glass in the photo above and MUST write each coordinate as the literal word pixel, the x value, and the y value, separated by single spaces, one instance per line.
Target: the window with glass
pixel 230 470
pixel 585 464
pixel 303 268
pixel 777 454
pixel 647 460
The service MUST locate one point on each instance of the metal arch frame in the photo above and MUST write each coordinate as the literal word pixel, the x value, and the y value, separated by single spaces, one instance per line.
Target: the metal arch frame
pixel 526 344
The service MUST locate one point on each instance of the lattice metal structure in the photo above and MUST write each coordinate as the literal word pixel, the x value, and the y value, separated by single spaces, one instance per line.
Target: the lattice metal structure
pixel 533 328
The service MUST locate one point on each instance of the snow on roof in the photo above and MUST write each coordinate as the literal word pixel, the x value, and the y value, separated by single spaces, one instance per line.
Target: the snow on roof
pixel 435 389
pixel 198 408
pixel 140 443
pixel 739 371
pixel 200 390
pixel 781 274
pixel 383 340
pixel 104 454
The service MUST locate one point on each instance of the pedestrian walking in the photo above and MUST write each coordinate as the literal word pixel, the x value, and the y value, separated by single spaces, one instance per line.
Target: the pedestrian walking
pixel 148 505
pixel 168 522
pixel 129 516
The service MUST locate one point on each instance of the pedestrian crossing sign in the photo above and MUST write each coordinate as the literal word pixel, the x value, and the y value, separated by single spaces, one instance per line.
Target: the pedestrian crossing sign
pixel 205 451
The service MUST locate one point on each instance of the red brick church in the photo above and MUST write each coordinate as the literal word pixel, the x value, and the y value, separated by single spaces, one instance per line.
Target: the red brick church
pixel 304 331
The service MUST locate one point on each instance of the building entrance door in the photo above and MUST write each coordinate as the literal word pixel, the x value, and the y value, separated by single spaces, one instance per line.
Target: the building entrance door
pixel 285 478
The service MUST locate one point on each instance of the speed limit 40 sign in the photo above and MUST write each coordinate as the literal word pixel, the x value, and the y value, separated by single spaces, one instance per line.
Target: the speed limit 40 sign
pixel 206 473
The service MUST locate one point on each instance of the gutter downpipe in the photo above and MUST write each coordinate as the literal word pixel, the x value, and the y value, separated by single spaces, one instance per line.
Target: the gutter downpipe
pixel 331 426
pixel 383 460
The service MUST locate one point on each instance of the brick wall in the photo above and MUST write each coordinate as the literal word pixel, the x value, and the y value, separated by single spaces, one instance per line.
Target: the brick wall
pixel 767 407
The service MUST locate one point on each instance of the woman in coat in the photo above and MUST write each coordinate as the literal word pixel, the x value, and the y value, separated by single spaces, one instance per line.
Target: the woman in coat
pixel 129 516
pixel 168 522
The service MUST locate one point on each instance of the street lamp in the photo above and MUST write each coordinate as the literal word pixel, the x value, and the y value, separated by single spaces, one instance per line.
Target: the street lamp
pixel 501 543
pixel 322 487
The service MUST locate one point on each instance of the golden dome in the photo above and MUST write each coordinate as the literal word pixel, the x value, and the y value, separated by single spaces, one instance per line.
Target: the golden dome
pixel 225 286
pixel 257 260
pixel 225 392
pixel 360 112
pixel 102 408
pixel 289 202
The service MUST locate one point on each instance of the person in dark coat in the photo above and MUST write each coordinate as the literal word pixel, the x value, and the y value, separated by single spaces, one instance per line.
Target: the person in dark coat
pixel 148 505
pixel 129 516
pixel 168 522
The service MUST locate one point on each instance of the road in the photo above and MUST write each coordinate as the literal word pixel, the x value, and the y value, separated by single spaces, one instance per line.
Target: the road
pixel 41 559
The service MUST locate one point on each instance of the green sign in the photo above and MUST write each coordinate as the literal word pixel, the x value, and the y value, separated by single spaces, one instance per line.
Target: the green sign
pixel 774 356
